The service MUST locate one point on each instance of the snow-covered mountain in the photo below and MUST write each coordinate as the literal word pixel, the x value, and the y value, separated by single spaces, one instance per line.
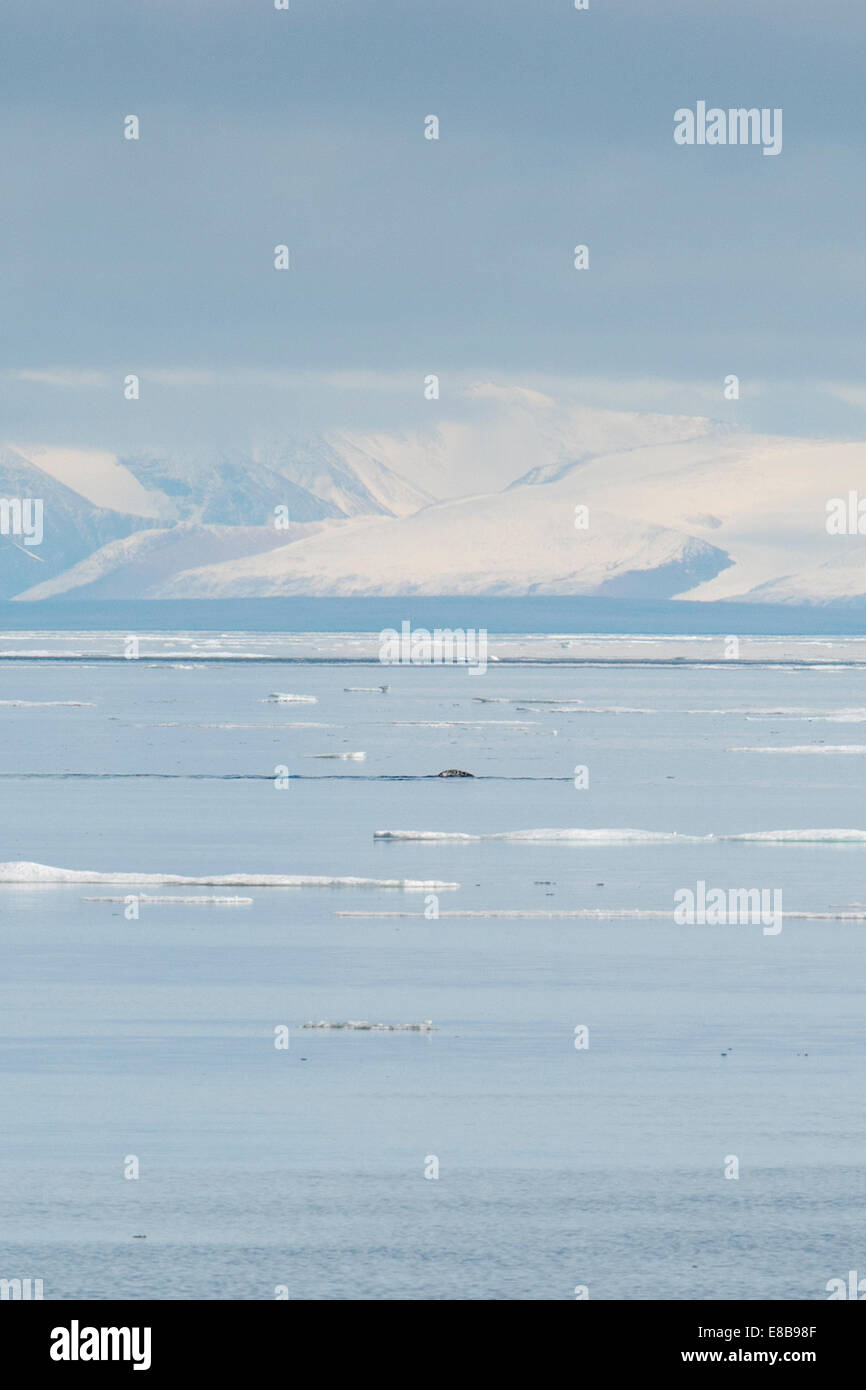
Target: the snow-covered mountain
pixel 347 475
pixel 315 478
pixel 517 542
pixel 72 527
pixel 511 436
pixel 675 506
pixel 137 565
pixel 226 488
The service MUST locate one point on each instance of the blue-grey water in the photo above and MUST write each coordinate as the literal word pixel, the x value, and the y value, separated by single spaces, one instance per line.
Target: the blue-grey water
pixel 304 1168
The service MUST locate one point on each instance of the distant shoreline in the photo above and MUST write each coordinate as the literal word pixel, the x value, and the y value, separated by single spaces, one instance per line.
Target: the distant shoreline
pixel 539 614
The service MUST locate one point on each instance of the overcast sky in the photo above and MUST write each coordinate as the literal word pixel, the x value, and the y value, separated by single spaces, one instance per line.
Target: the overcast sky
pixel 411 256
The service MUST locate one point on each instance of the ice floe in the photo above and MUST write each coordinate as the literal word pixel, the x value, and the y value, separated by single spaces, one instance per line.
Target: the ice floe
pixel 346 757
pixel 360 1026
pixel 577 836
pixel 280 699
pixel 808 748
pixel 146 901
pixel 48 704
pixel 581 835
pixel 27 872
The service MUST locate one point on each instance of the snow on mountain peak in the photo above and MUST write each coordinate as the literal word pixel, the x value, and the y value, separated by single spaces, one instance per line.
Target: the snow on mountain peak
pixel 486 501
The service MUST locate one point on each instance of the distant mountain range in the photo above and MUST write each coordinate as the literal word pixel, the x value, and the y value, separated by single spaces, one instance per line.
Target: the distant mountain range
pixel 72 526
pixel 526 496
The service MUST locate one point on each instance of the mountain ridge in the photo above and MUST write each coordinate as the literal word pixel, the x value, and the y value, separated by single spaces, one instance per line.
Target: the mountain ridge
pixel 522 495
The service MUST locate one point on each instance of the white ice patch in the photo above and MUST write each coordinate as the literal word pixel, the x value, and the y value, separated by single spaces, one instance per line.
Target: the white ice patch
pixel 345 757
pixel 188 724
pixel 277 698
pixel 49 704
pixel 458 723
pixel 145 900
pixel 585 709
pixel 361 1026
pixel 803 837
pixel 635 837
pixel 606 914
pixel 25 871
pixel 841 716
pixel 576 836
pixel 808 748
pixel 579 913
